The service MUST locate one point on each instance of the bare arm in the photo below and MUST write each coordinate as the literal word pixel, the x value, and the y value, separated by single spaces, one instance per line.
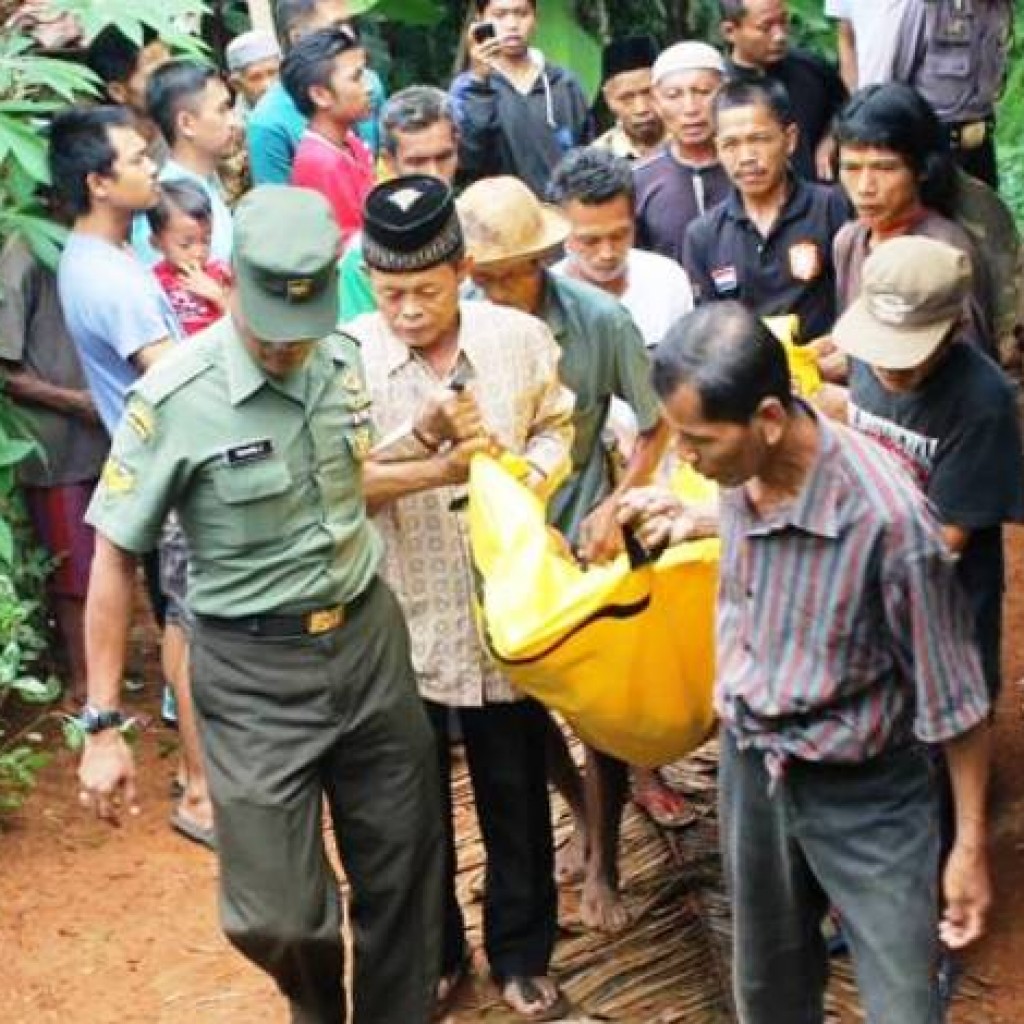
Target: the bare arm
pixel 956 538
pixel 966 884
pixel 28 389
pixel 847 44
pixel 107 770
pixel 600 534
pixel 150 354
pixel 386 482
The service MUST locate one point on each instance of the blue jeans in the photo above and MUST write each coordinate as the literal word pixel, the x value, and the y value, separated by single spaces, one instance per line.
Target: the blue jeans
pixel 861 838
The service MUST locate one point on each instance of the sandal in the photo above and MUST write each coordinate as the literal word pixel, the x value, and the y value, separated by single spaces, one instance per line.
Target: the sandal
pixel 665 807
pixel 530 993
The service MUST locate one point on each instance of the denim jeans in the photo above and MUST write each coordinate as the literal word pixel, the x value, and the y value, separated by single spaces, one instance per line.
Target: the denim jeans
pixel 861 838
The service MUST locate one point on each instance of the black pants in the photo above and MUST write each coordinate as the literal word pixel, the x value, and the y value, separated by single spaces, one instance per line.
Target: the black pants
pixel 505 752
pixel 286 722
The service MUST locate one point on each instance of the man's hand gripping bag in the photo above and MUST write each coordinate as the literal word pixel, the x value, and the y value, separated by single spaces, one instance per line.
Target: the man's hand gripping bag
pixel 625 652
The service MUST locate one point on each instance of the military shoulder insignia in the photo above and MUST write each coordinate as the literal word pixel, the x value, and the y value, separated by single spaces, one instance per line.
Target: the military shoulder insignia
pixel 116 477
pixel 351 381
pixel 139 416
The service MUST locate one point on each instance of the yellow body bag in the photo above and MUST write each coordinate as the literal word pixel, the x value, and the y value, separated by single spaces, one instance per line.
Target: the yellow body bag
pixel 625 654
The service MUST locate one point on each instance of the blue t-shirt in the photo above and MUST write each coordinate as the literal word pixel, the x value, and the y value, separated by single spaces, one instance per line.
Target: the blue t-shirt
pixel 222 229
pixel 275 127
pixel 113 308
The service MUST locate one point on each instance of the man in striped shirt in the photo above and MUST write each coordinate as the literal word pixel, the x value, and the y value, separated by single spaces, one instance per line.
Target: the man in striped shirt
pixel 844 647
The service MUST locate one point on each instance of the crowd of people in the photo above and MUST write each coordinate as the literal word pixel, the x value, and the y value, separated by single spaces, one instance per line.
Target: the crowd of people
pixel 291 310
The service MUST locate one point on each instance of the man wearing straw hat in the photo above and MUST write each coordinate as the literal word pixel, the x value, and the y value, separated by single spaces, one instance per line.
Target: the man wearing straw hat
pixel 509 236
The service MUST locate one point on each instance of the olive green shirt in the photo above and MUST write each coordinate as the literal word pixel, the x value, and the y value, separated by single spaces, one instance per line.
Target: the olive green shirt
pixel 603 356
pixel 264 474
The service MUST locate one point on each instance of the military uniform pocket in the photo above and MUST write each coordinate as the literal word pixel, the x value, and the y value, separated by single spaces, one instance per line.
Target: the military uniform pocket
pixel 256 492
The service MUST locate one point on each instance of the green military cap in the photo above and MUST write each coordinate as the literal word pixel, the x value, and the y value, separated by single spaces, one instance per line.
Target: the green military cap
pixel 286 247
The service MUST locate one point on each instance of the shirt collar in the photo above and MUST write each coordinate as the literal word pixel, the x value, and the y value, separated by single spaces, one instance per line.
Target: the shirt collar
pixel 797 204
pixel 397 354
pixel 552 308
pixel 816 509
pixel 244 375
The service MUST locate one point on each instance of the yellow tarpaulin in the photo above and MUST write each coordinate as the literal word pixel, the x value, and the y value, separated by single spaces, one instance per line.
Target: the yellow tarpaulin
pixel 627 656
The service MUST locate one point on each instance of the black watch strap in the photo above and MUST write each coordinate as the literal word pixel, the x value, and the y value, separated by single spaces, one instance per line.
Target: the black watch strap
pixel 94 720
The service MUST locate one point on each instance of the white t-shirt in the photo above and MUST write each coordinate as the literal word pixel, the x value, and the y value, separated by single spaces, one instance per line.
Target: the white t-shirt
pixel 657 292
pixel 876 33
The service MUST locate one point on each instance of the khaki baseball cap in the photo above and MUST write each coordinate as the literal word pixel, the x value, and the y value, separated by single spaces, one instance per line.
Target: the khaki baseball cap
pixel 912 293
pixel 285 259
pixel 503 221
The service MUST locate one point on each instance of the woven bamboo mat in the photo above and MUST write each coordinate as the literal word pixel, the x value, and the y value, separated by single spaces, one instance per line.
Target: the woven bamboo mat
pixel 671 965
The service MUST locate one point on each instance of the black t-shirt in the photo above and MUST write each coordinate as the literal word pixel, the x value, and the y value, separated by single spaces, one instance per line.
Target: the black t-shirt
pixel 959 437
pixel 790 271
pixel 669 196
pixel 816 93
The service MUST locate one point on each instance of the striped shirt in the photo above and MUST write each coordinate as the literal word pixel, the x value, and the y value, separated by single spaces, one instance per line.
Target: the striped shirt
pixel 841 631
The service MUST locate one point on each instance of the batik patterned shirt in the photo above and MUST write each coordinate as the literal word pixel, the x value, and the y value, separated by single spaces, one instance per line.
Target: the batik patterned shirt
pixel 511 363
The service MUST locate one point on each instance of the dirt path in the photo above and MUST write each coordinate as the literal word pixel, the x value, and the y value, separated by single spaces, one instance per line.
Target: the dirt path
pixel 99 926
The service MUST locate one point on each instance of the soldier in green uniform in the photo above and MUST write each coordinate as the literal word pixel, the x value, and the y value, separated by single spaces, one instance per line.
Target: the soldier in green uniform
pixel 254 433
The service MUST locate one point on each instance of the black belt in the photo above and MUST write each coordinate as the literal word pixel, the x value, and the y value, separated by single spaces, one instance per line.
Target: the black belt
pixel 311 623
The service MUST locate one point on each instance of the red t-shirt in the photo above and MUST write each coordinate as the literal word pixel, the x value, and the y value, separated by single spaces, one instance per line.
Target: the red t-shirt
pixel 193 311
pixel 343 175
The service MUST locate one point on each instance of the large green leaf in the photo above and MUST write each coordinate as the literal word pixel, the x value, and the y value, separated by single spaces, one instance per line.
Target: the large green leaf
pixel 564 41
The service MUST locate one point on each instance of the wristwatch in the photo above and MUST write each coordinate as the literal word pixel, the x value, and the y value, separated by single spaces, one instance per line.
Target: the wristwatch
pixel 94 720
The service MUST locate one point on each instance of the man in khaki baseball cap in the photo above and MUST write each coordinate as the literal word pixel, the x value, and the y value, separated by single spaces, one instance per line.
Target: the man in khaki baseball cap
pixel 921 385
pixel 912 297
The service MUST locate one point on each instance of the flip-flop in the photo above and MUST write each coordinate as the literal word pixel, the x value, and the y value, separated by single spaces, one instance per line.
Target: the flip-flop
pixel 530 992
pixel 204 836
pixel 654 805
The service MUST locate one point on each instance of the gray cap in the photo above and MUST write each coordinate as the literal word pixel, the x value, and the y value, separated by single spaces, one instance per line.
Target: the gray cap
pixel 250 47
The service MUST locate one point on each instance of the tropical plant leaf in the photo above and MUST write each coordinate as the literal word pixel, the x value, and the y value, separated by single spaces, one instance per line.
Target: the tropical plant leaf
pixel 564 41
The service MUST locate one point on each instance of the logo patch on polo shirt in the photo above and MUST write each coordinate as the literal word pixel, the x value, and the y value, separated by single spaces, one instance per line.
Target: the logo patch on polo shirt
pixel 805 261
pixel 725 279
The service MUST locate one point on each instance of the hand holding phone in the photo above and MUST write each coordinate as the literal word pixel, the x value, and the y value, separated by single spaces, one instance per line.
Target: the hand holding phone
pixel 483 47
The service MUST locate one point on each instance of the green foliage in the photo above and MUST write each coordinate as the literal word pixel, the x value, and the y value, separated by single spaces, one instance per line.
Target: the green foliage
pixel 32 86
pixel 23 643
pixel 1010 134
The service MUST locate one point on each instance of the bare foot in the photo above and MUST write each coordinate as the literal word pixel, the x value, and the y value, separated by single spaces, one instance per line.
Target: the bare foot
pixel 570 858
pixel 662 804
pixel 601 907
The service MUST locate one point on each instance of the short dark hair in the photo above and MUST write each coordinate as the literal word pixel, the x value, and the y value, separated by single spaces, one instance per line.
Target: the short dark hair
pixel 768 93
pixel 591 176
pixel 80 145
pixel 481 5
pixel 896 116
pixel 311 62
pixel 172 88
pixel 732 10
pixel 413 110
pixel 728 356
pixel 182 196
pixel 113 56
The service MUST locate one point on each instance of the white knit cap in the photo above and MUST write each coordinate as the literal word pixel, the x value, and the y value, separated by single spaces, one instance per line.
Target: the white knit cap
pixel 250 47
pixel 689 56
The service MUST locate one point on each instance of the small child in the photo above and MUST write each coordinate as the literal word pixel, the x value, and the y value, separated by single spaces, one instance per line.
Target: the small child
pixel 181 225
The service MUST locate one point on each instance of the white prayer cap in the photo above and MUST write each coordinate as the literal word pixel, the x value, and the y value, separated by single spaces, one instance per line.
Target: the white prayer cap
pixel 688 56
